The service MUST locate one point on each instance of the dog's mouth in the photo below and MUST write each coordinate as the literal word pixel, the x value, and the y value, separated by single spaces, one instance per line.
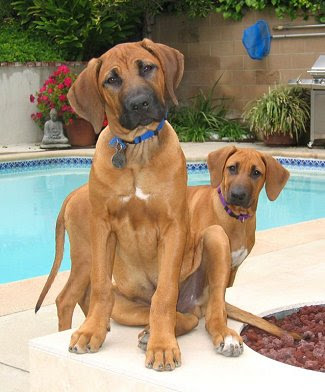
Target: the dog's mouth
pixel 134 123
pixel 147 121
pixel 141 108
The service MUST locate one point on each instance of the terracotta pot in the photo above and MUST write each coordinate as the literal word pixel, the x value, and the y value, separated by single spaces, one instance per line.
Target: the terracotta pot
pixel 279 139
pixel 81 133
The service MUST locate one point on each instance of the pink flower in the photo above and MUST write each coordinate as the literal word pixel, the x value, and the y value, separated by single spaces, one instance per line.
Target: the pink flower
pixel 64 69
pixel 67 82
pixel 49 81
pixel 42 89
pixel 39 115
pixel 65 108
pixel 61 86
pixel 31 98
pixel 45 98
pixel 70 121
pixel 52 106
pixel 50 90
pixel 62 97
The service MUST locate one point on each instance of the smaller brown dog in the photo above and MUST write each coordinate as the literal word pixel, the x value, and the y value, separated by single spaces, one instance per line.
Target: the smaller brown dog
pixel 222 219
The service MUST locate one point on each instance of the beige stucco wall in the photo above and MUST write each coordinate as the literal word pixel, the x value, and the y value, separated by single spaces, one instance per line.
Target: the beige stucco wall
pixel 17 82
pixel 213 47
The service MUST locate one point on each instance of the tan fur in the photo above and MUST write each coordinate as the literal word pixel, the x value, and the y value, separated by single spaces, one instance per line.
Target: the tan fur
pixel 212 230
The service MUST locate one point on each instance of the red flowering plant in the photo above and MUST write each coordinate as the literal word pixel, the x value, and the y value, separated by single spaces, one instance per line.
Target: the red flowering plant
pixel 53 94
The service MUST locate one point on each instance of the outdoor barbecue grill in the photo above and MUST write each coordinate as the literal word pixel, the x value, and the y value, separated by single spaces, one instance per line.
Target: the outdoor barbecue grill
pixel 317 86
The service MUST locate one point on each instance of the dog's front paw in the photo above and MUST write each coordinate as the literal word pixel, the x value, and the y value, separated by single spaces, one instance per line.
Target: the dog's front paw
pixel 228 343
pixel 163 355
pixel 88 338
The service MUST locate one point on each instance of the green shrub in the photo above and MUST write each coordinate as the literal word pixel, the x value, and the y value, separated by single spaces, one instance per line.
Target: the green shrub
pixel 83 28
pixel 282 109
pixel 6 9
pixel 203 116
pixel 22 46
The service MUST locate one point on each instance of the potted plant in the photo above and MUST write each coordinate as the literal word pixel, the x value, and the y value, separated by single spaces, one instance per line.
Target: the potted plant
pixel 53 94
pixel 281 115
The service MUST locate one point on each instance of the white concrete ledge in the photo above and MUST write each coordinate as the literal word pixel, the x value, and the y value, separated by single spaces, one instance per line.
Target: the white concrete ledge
pixel 119 365
pixel 291 275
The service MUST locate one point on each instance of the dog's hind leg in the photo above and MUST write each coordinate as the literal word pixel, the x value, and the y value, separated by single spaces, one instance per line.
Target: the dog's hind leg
pixel 73 292
pixel 216 257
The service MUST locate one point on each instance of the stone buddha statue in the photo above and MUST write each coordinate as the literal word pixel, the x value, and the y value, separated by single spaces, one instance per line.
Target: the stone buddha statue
pixel 53 133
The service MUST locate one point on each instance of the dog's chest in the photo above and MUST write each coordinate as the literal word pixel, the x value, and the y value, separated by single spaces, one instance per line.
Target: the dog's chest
pixel 137 193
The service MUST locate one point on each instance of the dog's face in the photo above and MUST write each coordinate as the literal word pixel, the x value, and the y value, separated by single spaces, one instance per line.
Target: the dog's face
pixel 131 83
pixel 243 178
pixel 242 173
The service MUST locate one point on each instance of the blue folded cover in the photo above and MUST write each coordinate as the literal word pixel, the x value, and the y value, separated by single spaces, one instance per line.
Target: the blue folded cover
pixel 257 40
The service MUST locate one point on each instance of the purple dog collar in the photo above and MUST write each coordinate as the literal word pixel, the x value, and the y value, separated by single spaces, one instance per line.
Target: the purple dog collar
pixel 240 217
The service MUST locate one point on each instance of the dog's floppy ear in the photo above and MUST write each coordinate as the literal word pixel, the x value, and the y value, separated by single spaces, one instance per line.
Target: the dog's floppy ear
pixel 276 176
pixel 172 63
pixel 85 98
pixel 216 163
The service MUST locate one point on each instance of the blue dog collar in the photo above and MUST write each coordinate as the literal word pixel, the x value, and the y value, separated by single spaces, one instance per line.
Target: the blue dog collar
pixel 122 144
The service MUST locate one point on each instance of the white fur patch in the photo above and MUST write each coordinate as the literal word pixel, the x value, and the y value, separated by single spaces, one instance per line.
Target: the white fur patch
pixel 140 195
pixel 231 347
pixel 125 199
pixel 238 256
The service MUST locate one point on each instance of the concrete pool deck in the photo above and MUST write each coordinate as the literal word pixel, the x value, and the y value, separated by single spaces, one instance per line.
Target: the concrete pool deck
pixel 286 264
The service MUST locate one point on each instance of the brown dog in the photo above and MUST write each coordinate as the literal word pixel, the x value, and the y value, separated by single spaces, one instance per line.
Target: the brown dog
pixel 212 250
pixel 137 192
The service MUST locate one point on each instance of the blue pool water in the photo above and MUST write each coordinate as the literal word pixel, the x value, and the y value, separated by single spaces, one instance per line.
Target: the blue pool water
pixel 30 202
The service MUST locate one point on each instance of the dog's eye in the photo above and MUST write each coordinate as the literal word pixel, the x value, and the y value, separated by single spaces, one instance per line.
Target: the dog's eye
pixel 147 68
pixel 112 80
pixel 256 173
pixel 232 169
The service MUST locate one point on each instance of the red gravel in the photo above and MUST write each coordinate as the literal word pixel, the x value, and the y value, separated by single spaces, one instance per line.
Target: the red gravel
pixel 309 353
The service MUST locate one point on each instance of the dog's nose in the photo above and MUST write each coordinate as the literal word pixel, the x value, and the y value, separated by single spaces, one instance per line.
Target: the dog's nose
pixel 238 196
pixel 139 103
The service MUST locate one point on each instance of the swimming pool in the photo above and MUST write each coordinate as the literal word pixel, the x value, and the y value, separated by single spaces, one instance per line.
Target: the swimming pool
pixel 33 191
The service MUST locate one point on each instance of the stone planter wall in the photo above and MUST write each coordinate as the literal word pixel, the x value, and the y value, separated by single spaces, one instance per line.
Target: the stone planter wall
pixel 17 82
pixel 212 47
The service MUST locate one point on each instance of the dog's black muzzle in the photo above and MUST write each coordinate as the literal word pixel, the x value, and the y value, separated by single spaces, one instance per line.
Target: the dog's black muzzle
pixel 141 107
pixel 239 196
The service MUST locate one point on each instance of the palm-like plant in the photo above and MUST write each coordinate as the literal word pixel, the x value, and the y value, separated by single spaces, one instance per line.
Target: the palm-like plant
pixel 283 110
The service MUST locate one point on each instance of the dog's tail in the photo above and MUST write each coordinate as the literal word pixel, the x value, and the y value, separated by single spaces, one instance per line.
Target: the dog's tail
pixel 245 317
pixel 59 248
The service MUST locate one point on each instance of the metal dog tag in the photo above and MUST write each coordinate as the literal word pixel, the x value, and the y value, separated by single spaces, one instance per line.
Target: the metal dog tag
pixel 119 158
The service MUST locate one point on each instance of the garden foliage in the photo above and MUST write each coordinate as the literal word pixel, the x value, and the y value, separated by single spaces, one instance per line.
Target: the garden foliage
pixel 203 116
pixel 84 28
pixel 283 109
pixel 87 28
pixel 18 45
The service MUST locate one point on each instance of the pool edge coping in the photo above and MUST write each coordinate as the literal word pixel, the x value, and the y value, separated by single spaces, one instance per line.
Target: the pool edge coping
pixel 16 156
